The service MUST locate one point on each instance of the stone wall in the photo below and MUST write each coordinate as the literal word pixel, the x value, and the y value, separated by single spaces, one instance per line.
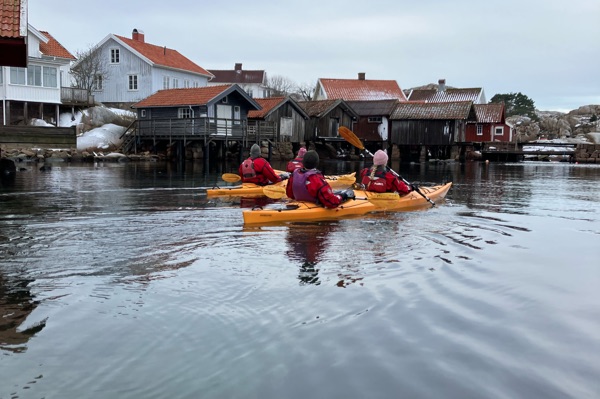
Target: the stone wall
pixel 587 153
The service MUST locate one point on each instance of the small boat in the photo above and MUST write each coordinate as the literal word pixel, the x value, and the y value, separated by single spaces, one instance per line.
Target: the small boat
pixel 337 182
pixel 364 202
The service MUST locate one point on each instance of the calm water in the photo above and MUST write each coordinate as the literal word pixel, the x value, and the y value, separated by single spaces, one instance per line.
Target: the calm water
pixel 126 281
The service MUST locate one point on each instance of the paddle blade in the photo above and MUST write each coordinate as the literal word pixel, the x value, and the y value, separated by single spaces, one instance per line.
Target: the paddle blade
pixel 350 137
pixel 274 192
pixel 231 177
pixel 384 200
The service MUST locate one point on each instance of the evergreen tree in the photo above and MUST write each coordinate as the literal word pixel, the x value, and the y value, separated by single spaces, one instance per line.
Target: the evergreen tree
pixel 516 104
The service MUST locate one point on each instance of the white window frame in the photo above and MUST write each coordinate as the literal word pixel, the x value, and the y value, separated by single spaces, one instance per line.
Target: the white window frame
pixel 237 115
pixel 250 93
pixel 18 76
pixel 143 113
pixel 186 83
pixel 166 82
pixel 49 77
pixel 498 130
pixel 34 75
pixel 479 130
pixel 175 83
pixel 132 82
pixel 115 55
pixel 374 119
pixel 185 113
pixel 98 84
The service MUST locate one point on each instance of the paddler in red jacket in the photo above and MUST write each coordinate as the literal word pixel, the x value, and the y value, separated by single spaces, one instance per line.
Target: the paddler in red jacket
pixel 379 179
pixel 308 184
pixel 258 170
pixel 296 163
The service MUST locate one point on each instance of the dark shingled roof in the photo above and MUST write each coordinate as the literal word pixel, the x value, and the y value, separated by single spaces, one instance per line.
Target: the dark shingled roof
pixel 456 110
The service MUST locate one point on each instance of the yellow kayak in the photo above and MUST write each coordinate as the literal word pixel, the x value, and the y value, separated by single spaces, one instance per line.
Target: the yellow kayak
pixel 337 182
pixel 361 205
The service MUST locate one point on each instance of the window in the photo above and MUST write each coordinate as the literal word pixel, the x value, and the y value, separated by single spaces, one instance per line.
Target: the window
pixel 374 119
pixel 185 113
pixel 133 82
pixel 499 131
pixel 479 130
pixel 186 83
pixel 98 83
pixel 175 83
pixel 34 75
pixel 17 75
pixel 224 100
pixel 143 113
pixel 115 57
pixel 196 84
pixel 50 79
pixel 250 93
pixel 165 82
pixel 237 115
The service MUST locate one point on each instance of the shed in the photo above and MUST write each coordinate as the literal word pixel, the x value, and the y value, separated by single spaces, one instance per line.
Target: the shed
pixel 283 114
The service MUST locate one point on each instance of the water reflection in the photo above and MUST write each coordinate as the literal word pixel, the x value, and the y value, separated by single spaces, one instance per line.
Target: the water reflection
pixel 16 304
pixel 307 244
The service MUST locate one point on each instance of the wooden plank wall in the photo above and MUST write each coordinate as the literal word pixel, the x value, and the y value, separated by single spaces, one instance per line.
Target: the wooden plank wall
pixel 37 136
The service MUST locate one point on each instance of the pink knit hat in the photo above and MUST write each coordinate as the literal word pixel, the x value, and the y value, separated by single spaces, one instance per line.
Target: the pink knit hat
pixel 301 152
pixel 380 158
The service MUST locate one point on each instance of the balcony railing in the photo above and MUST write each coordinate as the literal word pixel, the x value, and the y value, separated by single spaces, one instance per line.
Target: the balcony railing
pixel 74 95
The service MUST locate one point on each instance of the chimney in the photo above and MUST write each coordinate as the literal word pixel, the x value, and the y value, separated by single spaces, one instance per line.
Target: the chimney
pixel 138 35
pixel 442 85
pixel 238 66
pixel 361 76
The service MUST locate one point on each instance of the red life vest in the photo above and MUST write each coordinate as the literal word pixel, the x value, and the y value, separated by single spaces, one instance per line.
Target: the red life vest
pixel 294 164
pixel 377 183
pixel 248 171
pixel 299 185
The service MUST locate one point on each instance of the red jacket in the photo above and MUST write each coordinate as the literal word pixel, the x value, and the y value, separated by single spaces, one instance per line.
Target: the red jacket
pixel 393 184
pixel 264 172
pixel 317 188
pixel 294 164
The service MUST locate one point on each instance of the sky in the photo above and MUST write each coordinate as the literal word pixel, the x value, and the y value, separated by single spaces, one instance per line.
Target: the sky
pixel 547 50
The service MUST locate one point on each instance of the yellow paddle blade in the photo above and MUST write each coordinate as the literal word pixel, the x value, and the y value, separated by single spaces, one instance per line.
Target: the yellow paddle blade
pixel 384 200
pixel 350 137
pixel 274 192
pixel 231 177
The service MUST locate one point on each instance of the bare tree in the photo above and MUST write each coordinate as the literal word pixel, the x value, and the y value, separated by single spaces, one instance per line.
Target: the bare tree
pixel 91 70
pixel 306 91
pixel 280 86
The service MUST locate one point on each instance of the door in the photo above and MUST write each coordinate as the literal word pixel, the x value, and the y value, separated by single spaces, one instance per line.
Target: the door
pixel 224 120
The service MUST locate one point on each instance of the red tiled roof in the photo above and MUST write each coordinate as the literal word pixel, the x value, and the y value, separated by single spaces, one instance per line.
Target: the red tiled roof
pixel 267 104
pixel 489 113
pixel 164 56
pixel 413 110
pixel 359 89
pixel 53 48
pixel 175 97
pixel 10 19
pixel 237 76
pixel 447 95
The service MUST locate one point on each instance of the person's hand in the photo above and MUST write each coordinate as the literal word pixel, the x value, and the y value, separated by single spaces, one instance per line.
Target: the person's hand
pixel 414 187
pixel 350 194
pixel 284 176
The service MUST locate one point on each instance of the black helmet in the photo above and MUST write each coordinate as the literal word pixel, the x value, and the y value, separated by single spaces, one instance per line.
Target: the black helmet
pixel 311 159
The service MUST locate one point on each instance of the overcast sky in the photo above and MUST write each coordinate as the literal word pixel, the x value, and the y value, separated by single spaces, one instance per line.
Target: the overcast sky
pixel 548 50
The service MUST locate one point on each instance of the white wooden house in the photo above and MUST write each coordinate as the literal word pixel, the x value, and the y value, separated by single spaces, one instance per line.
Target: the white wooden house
pixel 35 91
pixel 136 70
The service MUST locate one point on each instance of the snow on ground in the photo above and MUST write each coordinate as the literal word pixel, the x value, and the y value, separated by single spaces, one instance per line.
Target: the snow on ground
pixel 101 137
